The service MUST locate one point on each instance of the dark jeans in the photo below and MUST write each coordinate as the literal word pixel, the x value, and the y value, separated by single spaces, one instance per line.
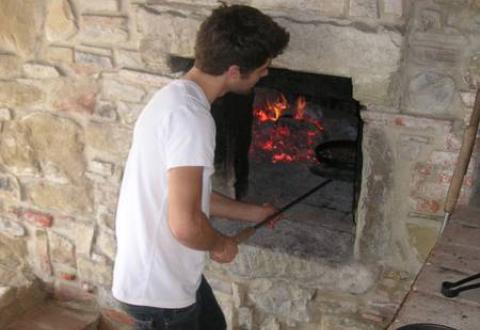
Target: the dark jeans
pixel 205 314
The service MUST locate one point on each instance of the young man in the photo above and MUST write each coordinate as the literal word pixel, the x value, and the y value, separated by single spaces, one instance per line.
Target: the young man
pixel 162 226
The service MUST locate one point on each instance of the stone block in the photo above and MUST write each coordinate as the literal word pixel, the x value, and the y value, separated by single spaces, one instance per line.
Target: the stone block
pixel 56 144
pixel 84 238
pixel 143 78
pixel 228 310
pixel 453 142
pixel 10 66
pixel 16 152
pixel 130 59
pixel 329 56
pixel 239 293
pixel 59 54
pixel 336 322
pixel 93 272
pixel 62 197
pixel 37 218
pixel 106 196
pixel 60 21
pixel 20 22
pixel 116 91
pixel 431 93
pixel 245 318
pixel 15 94
pixel 468 99
pixel 91 63
pixel 364 9
pixel 472 76
pixel 129 112
pixel 106 243
pixel 40 71
pixel 220 285
pixel 108 138
pixel 429 20
pixel 61 249
pixel 5 114
pixel 427 205
pixel 102 168
pixel 13 255
pixel 104 29
pixel 154 55
pixel 106 220
pixel 270 324
pixel 11 228
pixel 442 57
pixel 254 262
pixel 106 111
pixel 99 6
pixel 412 147
pixel 446 159
pixel 41 255
pixel 9 187
pixel 66 291
pixel 281 299
pixel 74 95
pixel 176 33
pixel 67 276
pixel 393 7
pixel 330 8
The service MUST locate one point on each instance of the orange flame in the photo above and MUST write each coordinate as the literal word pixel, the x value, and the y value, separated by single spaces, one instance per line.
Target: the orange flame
pixel 281 140
pixel 272 111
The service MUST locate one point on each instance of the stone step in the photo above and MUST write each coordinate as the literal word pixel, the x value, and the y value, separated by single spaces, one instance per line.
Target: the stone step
pixel 54 316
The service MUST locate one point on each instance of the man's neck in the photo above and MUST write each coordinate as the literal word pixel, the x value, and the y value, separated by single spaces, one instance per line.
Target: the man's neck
pixel 212 86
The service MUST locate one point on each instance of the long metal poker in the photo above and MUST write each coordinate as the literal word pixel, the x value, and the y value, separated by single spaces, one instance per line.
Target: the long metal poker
pixel 249 231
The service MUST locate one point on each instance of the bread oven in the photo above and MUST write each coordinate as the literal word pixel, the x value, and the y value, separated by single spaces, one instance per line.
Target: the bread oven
pixel 293 132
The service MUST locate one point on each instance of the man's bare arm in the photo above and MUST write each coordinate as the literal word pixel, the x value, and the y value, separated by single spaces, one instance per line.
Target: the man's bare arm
pixel 223 206
pixel 189 225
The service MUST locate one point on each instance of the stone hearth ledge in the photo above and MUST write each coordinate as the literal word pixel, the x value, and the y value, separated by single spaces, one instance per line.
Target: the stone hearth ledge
pixel 254 262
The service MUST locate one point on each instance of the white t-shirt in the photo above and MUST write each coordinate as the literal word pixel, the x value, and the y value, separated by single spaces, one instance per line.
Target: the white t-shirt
pixel 151 267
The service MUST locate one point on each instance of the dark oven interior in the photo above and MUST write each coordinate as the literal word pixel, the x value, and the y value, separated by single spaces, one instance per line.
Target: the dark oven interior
pixel 294 131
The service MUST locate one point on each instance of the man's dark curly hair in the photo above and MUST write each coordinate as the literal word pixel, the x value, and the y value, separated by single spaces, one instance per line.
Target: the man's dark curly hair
pixel 237 35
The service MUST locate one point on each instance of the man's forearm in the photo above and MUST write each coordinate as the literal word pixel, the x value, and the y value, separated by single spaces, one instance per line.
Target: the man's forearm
pixel 198 234
pixel 223 206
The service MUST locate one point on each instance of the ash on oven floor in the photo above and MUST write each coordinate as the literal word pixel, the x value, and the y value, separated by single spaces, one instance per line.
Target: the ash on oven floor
pixel 319 227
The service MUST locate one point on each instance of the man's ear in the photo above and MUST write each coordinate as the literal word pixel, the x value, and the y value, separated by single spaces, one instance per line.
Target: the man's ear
pixel 233 72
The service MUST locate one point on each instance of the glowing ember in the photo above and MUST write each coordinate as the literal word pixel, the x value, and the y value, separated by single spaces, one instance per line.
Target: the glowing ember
pixel 283 133
pixel 300 109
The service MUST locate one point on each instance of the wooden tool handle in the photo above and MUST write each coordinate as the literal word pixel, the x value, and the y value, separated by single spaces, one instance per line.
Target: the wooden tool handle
pixel 244 234
pixel 463 157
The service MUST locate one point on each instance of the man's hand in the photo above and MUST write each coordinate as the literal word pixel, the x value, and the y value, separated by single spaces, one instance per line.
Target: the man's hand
pixel 225 251
pixel 267 210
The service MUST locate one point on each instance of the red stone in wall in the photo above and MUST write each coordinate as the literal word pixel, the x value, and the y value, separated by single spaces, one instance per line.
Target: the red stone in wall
pixel 39 219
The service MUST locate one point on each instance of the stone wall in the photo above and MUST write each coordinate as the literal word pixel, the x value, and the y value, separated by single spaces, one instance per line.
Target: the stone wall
pixel 74 75
pixel 410 151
